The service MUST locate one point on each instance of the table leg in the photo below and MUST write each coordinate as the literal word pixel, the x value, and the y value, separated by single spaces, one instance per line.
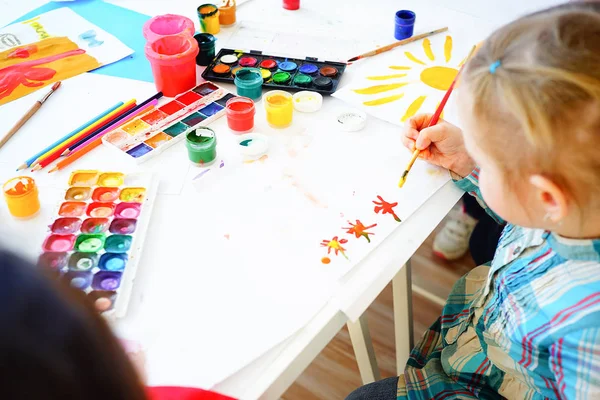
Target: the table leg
pixel 403 319
pixel 363 350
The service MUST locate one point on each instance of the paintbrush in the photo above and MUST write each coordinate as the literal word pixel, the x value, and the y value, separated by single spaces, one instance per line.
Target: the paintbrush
pixel 399 43
pixel 434 119
pixel 29 114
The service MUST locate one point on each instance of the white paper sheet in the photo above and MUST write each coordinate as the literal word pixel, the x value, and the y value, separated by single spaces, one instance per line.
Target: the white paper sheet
pixel 413 78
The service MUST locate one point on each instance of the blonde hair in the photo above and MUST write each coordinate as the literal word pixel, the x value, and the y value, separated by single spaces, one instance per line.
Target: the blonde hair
pixel 545 93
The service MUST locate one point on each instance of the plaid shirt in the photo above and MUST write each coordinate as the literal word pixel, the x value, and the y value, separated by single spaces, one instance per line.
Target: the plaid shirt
pixel 525 327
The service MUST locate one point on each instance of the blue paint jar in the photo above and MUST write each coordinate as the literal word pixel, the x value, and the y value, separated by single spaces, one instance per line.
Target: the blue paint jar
pixel 248 82
pixel 206 44
pixel 405 24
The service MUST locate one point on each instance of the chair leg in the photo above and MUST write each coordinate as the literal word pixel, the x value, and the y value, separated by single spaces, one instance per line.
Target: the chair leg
pixel 363 350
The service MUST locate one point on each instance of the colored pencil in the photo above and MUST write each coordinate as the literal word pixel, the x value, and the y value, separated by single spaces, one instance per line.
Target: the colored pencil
pixel 96 141
pixel 30 161
pixel 399 43
pixel 434 119
pixel 57 152
pixel 139 106
pixel 36 106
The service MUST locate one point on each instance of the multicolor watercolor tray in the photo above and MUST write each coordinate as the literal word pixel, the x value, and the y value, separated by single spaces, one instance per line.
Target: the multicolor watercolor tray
pixel 95 241
pixel 159 128
pixel 304 74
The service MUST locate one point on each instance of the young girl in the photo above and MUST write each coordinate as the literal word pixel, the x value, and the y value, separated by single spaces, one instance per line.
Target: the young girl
pixel 528 325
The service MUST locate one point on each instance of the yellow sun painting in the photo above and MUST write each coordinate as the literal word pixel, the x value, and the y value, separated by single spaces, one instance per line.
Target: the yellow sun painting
pixel 432 74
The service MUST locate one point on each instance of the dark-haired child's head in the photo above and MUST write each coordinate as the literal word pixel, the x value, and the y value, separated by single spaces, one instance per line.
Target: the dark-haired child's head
pixel 53 345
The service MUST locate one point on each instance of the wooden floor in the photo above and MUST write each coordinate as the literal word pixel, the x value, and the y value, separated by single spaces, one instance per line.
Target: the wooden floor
pixel 334 374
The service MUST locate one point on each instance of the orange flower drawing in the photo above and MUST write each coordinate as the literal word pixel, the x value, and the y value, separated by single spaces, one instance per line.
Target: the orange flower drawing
pixel 359 229
pixel 336 245
pixel 385 208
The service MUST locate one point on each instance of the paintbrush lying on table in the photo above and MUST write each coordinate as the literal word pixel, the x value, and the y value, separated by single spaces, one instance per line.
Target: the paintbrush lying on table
pixel 434 119
pixel 399 43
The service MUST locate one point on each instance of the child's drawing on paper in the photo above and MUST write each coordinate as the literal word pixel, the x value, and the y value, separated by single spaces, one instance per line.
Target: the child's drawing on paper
pixel 360 230
pixel 383 207
pixel 407 80
pixel 50 47
pixel 27 68
pixel 335 244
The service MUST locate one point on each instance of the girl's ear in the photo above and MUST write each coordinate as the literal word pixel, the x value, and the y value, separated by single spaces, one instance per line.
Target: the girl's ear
pixel 550 197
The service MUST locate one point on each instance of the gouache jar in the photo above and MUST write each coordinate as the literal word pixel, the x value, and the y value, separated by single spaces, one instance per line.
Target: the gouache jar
pixel 279 107
pixel 248 82
pixel 206 46
pixel 405 24
pixel 291 4
pixel 22 199
pixel 202 145
pixel 240 114
pixel 227 14
pixel 209 18
pixel 166 25
pixel 173 61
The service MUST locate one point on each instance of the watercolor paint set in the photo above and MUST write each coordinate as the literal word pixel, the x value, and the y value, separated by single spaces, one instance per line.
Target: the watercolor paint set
pixel 277 72
pixel 95 240
pixel 159 128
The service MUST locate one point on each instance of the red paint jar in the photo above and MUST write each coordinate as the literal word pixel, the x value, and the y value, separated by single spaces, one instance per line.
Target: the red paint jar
pixel 291 4
pixel 240 114
pixel 173 61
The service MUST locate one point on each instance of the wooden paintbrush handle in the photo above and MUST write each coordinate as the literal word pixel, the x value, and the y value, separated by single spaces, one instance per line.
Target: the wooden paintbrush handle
pixel 410 40
pixel 20 123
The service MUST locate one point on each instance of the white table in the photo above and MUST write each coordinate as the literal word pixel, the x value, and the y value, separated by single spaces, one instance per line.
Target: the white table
pixel 271 374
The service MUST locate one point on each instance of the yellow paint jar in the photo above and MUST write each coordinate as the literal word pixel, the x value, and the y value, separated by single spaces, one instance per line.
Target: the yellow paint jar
pixel 22 199
pixel 209 18
pixel 279 107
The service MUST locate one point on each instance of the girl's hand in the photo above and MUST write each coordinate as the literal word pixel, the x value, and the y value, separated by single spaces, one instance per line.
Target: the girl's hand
pixel 442 144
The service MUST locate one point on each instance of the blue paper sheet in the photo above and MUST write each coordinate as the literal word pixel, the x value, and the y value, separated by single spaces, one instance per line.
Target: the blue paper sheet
pixel 124 24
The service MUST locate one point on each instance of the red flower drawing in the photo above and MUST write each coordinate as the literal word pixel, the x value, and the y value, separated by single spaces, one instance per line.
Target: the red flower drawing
pixel 359 229
pixel 336 245
pixel 385 208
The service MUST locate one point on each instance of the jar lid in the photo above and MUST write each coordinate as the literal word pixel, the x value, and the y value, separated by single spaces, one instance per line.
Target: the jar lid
pixel 307 101
pixel 352 120
pixel 253 145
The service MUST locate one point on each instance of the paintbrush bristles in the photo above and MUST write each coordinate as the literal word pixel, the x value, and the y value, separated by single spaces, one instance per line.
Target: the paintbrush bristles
pixel 414 157
pixel 402 179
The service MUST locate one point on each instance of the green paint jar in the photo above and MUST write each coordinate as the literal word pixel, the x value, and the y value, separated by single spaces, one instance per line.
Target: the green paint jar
pixel 202 145
pixel 248 82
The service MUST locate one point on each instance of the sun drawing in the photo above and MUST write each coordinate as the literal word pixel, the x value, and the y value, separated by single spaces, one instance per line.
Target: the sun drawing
pixel 434 75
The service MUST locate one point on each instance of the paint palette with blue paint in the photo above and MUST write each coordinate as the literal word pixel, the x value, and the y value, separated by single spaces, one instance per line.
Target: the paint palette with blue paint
pixel 163 126
pixel 278 72
pixel 98 250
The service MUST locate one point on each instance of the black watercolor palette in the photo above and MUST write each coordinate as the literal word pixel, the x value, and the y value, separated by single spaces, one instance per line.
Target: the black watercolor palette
pixel 284 73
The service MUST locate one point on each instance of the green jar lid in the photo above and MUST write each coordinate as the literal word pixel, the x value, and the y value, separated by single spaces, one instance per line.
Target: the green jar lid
pixel 302 80
pixel 281 77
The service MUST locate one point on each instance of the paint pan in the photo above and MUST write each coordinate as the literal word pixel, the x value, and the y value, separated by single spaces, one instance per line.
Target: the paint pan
pixel 95 241
pixel 277 72
pixel 150 134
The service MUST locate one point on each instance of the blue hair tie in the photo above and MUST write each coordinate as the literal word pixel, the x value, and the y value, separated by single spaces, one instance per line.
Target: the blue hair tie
pixel 494 66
